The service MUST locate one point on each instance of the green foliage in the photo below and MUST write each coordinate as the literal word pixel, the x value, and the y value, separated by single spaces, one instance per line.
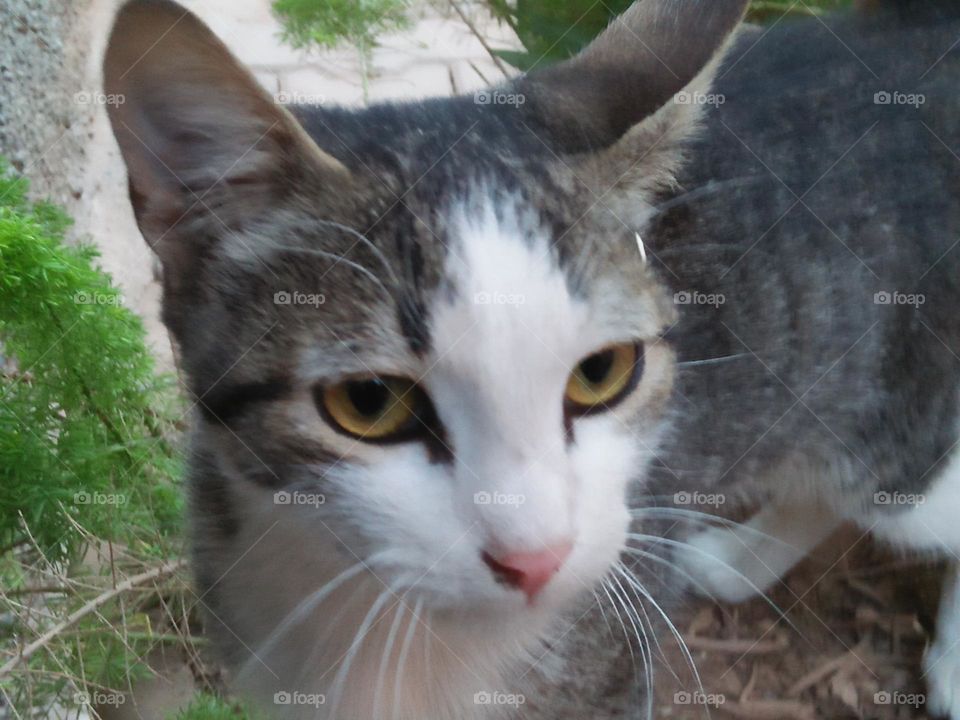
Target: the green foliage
pixel 88 466
pixel 210 707
pixel 551 31
pixel 329 23
pixel 84 420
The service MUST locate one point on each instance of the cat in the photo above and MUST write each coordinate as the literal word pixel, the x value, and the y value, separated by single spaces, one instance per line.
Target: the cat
pixel 445 354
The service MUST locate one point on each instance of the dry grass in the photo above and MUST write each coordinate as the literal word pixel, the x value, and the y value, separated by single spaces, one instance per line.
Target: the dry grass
pixel 861 620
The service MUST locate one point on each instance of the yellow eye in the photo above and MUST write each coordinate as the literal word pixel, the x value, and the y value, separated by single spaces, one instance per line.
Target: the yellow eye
pixel 377 408
pixel 604 378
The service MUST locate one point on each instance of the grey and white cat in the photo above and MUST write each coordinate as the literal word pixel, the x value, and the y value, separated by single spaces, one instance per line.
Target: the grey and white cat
pixel 438 380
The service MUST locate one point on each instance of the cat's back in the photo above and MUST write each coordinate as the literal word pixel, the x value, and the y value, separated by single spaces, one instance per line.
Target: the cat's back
pixel 851 119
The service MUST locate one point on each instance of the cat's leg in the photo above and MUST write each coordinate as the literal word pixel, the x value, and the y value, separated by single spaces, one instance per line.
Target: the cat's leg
pixel 928 523
pixel 941 665
pixel 736 562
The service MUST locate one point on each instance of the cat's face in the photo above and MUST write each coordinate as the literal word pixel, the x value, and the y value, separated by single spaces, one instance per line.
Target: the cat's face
pixel 479 440
pixel 422 338
pixel 505 415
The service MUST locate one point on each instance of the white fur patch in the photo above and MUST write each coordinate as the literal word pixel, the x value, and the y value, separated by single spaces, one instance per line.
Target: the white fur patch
pixel 738 562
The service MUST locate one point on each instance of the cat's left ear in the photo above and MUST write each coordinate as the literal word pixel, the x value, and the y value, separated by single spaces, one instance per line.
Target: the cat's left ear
pixel 625 105
pixel 207 149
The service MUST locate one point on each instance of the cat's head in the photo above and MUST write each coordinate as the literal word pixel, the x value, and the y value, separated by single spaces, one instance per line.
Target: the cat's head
pixel 424 335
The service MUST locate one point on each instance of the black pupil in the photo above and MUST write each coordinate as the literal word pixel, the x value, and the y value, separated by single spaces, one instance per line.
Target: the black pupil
pixel 596 367
pixel 369 397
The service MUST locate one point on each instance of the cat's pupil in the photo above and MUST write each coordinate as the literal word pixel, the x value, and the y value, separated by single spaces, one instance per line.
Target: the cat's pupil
pixel 596 367
pixel 369 397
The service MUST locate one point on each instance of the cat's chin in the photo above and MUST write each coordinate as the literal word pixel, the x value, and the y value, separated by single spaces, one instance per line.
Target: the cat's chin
pixel 422 654
pixel 417 659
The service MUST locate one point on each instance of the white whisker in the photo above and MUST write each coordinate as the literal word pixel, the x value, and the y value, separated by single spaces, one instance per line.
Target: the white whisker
pixel 643 641
pixel 385 657
pixel 708 519
pixel 638 586
pixel 621 568
pixel 690 548
pixel 404 651
pixel 347 660
pixel 299 613
pixel 606 589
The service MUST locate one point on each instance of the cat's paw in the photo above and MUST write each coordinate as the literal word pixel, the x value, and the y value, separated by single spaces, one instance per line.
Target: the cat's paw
pixel 724 565
pixel 942 669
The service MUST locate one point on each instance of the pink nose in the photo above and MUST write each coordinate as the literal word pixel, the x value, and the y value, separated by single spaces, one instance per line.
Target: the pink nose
pixel 528 571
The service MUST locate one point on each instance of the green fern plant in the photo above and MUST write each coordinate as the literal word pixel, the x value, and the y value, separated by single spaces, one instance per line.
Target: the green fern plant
pixel 210 707
pixel 85 423
pixel 89 469
pixel 331 23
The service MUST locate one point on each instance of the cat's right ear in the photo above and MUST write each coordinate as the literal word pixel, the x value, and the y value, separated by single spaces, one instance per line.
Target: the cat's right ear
pixel 624 108
pixel 206 147
pixel 633 69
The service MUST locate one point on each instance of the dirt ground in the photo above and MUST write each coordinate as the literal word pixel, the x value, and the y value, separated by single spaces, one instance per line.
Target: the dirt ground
pixel 848 645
